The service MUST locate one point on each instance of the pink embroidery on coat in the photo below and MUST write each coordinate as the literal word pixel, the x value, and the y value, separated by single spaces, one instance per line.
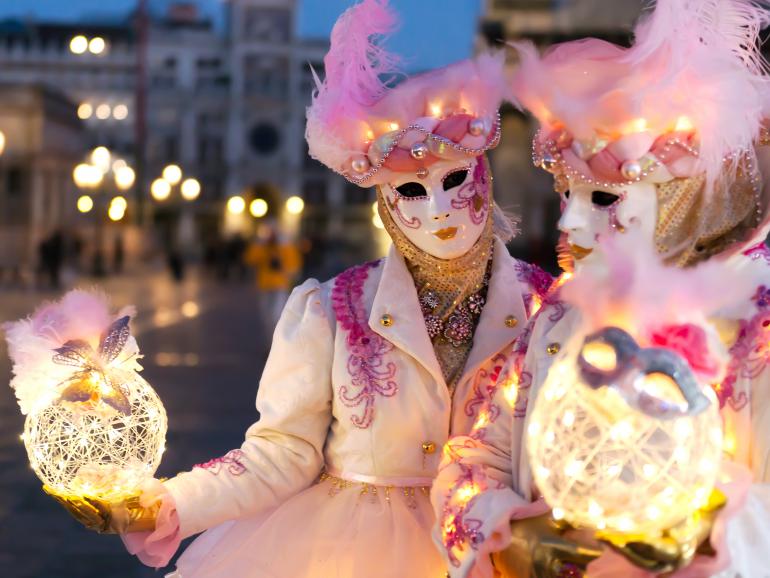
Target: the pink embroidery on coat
pixel 457 528
pixel 749 356
pixel 232 460
pixel 758 251
pixel 369 374
pixel 484 384
pixel 474 195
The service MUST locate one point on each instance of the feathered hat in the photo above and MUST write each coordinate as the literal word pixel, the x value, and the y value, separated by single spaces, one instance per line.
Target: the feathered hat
pixel 368 121
pixel 688 98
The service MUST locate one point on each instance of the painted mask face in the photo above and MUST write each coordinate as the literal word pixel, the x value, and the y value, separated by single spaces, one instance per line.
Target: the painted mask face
pixel 443 214
pixel 590 213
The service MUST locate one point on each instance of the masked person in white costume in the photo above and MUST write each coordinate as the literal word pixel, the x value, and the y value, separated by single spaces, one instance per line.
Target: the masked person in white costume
pixel 665 138
pixel 371 372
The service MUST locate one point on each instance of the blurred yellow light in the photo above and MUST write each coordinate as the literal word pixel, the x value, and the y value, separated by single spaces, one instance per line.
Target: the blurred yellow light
pixel 125 177
pixel 97 45
pixel 119 203
pixel 374 208
pixel 393 126
pixel 377 222
pixel 258 208
pixel 295 205
pixel 172 174
pixel 115 213
pixel 537 302
pixel 236 205
pixel 85 110
pixel 511 392
pixel 683 124
pixel 120 112
pixel 87 176
pixel 160 189
pixel 101 158
pixel 103 111
pixel 118 164
pixel 85 203
pixel 435 109
pixel 190 309
pixel 369 134
pixel 2 142
pixel 79 44
pixel 190 189
pixel 466 492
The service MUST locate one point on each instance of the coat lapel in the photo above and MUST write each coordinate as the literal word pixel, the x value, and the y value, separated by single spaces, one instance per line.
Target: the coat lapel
pixel 504 301
pixel 396 297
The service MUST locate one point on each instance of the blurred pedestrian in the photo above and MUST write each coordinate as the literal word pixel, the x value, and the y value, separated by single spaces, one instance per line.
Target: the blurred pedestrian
pixel 276 264
pixel 51 255
pixel 118 254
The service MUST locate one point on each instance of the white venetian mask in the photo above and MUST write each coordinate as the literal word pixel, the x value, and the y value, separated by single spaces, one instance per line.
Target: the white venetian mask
pixel 591 213
pixel 444 213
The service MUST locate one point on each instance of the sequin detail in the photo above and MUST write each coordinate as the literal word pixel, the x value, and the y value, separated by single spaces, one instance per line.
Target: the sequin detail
pixel 409 493
pixel 369 373
pixel 231 461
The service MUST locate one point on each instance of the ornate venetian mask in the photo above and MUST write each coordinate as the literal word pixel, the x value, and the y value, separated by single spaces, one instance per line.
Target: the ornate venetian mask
pixel 444 212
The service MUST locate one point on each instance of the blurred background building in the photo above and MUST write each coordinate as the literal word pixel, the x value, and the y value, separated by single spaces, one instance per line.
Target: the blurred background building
pixel 203 126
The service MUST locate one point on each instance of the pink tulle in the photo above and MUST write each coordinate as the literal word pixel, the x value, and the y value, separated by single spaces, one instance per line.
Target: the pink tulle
pixel 156 548
pixel 735 487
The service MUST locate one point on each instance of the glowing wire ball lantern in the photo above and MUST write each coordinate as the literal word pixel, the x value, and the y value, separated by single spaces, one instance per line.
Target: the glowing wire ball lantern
pixel 623 438
pixel 94 427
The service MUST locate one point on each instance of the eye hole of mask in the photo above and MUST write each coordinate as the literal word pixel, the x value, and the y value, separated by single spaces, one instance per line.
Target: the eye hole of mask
pixel 566 194
pixel 455 179
pixel 411 190
pixel 604 199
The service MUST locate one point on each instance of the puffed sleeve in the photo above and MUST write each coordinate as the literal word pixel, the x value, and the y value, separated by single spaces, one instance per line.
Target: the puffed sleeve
pixel 283 452
pixel 475 493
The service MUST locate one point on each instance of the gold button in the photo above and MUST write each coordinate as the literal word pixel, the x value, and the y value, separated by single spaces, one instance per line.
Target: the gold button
pixel 428 448
pixel 511 321
pixel 553 348
pixel 386 320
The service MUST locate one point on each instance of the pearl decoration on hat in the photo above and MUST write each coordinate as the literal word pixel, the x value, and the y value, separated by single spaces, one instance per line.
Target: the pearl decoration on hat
pixel 477 127
pixel 419 151
pixel 360 164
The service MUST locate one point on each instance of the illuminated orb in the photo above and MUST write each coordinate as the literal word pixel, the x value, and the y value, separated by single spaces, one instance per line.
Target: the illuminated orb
pixel 92 449
pixel 601 463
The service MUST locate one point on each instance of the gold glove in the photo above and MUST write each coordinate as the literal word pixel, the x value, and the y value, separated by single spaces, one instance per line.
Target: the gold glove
pixel 543 548
pixel 108 516
pixel 673 548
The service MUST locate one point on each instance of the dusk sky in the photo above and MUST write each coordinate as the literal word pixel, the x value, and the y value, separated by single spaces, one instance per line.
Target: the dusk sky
pixel 433 32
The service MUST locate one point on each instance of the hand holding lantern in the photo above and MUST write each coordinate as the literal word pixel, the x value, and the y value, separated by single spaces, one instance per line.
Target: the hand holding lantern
pixel 95 429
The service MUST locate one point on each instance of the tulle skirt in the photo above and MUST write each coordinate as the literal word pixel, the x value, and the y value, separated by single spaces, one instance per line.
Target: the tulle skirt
pixel 334 529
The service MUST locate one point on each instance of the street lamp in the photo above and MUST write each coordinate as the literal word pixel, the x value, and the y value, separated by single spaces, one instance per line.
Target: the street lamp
pixel 190 189
pixel 89 178
pixel 236 205
pixel 295 205
pixel 258 208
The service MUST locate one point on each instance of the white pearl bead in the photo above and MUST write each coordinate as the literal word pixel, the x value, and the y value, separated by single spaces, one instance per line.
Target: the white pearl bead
pixel 360 164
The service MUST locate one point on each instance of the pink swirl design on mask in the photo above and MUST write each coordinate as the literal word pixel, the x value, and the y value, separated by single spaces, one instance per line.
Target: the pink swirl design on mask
pixel 231 461
pixel 369 373
pixel 413 223
pixel 474 195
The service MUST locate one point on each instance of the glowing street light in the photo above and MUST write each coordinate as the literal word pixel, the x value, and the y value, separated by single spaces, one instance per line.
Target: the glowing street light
pixel 172 174
pixel 97 45
pixel 258 208
pixel 295 205
pixel 103 111
pixel 190 189
pixel 120 112
pixel 87 176
pixel 160 189
pixel 124 177
pixel 85 203
pixel 120 203
pixel 79 44
pixel 236 205
pixel 101 158
pixel 85 111
pixel 116 212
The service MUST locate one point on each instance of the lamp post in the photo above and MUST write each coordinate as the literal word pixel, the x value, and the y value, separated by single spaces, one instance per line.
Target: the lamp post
pixel 89 178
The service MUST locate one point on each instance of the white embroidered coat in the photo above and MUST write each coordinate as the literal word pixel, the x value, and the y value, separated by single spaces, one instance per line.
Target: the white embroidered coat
pixel 352 387
pixel 492 460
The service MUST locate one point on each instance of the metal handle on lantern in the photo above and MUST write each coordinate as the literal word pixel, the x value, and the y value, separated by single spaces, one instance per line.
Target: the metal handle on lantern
pixel 621 373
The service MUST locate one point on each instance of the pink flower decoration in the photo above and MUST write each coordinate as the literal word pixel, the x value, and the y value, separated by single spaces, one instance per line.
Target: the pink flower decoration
pixel 690 342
